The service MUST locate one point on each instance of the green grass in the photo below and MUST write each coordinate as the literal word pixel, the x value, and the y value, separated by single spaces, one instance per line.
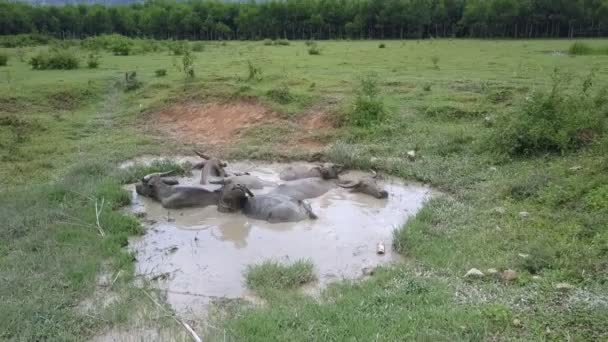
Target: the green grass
pixel 277 276
pixel 62 134
pixel 580 48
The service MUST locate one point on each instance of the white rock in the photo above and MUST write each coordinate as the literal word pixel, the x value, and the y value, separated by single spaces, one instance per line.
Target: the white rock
pixel 411 154
pixel 508 275
pixel 491 271
pixel 524 214
pixel 380 248
pixel 474 273
pixel 523 255
pixel 536 277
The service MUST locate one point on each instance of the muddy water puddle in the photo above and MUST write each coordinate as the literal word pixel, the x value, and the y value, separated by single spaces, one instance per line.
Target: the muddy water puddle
pixel 196 255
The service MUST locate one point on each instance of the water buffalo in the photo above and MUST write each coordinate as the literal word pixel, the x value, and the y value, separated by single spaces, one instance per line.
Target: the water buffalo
pixel 314 187
pixel 249 181
pixel 211 168
pixel 272 207
pixel 173 196
pixel 324 171
pixel 366 185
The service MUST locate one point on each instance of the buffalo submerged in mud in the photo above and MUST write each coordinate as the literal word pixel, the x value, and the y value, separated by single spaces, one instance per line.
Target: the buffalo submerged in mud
pixel 283 203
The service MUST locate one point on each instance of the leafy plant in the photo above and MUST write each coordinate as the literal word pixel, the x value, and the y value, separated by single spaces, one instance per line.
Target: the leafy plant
pixel 93 60
pixel 3 59
pixel 255 72
pixel 368 107
pixel 267 42
pixel 435 60
pixel 54 59
pixel 281 94
pixel 160 72
pixel 283 42
pixel 198 47
pixel 313 49
pixel 382 46
pixel 188 64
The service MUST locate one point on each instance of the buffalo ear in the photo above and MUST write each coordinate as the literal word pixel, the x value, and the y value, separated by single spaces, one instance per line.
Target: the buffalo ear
pixel 170 181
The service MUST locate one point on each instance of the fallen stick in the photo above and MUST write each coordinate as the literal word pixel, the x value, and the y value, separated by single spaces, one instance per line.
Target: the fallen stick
pixel 97 213
pixel 188 328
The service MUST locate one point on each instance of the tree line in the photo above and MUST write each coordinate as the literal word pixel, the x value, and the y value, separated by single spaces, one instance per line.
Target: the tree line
pixel 314 19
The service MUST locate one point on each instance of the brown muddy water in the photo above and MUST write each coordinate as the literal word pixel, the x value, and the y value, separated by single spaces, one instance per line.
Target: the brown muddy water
pixel 197 255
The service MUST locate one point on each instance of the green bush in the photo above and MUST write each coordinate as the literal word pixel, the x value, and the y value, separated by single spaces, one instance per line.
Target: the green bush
pixel 553 121
pixel 178 47
pixel 198 47
pixel 93 60
pixel 281 94
pixel 282 42
pixel 121 47
pixel 267 42
pixel 54 59
pixel 160 73
pixel 314 49
pixel 3 59
pixel 255 72
pixel 579 48
pixel 23 40
pixel 368 107
pixel 382 46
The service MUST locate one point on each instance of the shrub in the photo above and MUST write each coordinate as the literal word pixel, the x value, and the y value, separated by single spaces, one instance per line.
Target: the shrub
pixel 23 40
pixel 310 42
pixel 381 46
pixel 160 73
pixel 54 59
pixel 121 47
pixel 131 81
pixel 267 42
pixel 426 87
pixel 553 121
pixel 368 106
pixel 3 59
pixel 179 47
pixel 579 48
pixel 255 72
pixel 281 94
pixel 198 47
pixel 188 64
pixel 435 60
pixel 282 42
pixel 93 60
pixel 313 49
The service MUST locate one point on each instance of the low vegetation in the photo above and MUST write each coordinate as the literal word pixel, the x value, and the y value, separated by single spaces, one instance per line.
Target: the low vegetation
pixel 55 59
pixel 580 48
pixel 517 153
pixel 274 275
pixel 3 59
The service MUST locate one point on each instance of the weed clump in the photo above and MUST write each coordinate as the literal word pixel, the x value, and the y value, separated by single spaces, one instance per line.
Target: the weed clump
pixel 179 48
pixel 281 94
pixel 255 72
pixel 93 60
pixel 198 47
pixel 23 40
pixel 368 107
pixel 382 46
pixel 274 275
pixel 313 49
pixel 3 59
pixel 267 42
pixel 282 42
pixel 160 72
pixel 131 81
pixel 553 121
pixel 435 60
pixel 54 59
pixel 580 49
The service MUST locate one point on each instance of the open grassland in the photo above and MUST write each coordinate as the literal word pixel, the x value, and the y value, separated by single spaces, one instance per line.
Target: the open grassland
pixel 541 213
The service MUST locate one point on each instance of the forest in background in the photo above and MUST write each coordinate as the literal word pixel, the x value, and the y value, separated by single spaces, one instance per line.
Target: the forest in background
pixel 314 19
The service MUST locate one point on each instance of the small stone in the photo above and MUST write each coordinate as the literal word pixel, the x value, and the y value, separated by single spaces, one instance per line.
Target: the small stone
pixel 411 154
pixel 493 168
pixel 564 286
pixel 576 168
pixel 523 255
pixel 536 277
pixel 474 273
pixel 508 275
pixel 517 323
pixel 491 271
pixel 524 214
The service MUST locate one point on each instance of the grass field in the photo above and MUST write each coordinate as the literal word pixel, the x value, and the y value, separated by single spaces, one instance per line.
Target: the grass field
pixel 543 214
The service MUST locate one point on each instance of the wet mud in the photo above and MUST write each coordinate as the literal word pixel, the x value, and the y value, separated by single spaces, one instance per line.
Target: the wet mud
pixel 197 255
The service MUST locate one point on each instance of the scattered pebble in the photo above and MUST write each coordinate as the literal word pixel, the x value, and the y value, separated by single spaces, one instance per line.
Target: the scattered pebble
pixel 474 273
pixel 499 210
pixel 508 275
pixel 491 271
pixel 536 277
pixel 411 154
pixel 380 248
pixel 523 255
pixel 524 214
pixel 576 168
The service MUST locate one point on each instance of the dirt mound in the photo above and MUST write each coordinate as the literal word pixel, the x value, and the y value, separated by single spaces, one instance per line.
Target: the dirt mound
pixel 222 123
pixel 212 123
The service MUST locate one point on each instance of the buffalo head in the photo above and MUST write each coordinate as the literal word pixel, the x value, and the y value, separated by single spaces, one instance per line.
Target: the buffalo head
pixel 329 170
pixel 233 197
pixel 367 185
pixel 150 183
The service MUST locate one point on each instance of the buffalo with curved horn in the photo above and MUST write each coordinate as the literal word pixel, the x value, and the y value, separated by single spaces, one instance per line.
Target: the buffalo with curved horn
pixel 272 207
pixel 211 168
pixel 323 171
pixel 366 185
pixel 174 196
pixel 251 182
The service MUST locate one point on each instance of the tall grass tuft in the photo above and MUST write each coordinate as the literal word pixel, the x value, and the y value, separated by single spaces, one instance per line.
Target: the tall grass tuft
pixel 274 275
pixel 368 107
pixel 580 49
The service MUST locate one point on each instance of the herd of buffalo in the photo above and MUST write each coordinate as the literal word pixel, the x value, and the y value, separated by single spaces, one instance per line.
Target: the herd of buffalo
pixel 284 203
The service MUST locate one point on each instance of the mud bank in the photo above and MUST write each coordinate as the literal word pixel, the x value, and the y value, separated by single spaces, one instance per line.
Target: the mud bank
pixel 197 255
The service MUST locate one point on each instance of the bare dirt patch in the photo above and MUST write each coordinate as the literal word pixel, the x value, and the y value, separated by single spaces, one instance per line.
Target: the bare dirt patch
pixel 222 124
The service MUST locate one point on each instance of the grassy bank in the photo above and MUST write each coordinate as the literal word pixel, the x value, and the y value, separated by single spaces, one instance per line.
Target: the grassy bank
pixel 541 214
